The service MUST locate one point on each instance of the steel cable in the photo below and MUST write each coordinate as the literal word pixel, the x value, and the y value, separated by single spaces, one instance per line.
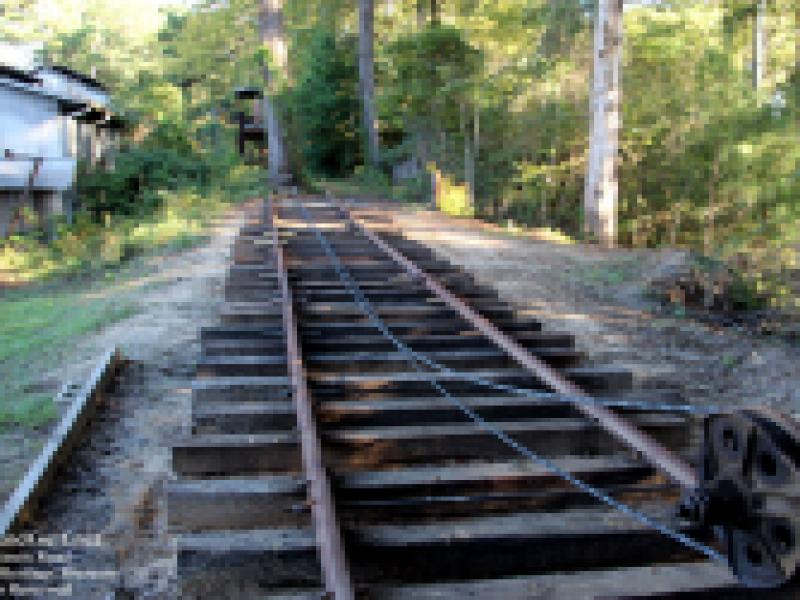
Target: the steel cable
pixel 418 360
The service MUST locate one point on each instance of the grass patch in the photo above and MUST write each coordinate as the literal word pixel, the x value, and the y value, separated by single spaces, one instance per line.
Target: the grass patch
pixel 36 328
pixel 58 292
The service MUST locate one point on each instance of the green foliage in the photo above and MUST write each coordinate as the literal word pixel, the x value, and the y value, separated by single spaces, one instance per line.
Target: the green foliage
pixel 133 187
pixel 85 246
pixel 431 71
pixel 706 161
pixel 455 199
pixel 323 107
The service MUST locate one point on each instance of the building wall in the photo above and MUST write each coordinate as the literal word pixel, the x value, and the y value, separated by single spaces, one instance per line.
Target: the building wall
pixel 31 129
pixel 41 141
pixel 29 124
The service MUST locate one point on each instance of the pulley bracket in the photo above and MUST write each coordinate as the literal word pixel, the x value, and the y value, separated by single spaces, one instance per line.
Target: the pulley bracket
pixel 749 493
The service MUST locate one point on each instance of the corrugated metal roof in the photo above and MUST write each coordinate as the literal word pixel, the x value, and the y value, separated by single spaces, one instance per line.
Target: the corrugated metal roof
pixel 84 79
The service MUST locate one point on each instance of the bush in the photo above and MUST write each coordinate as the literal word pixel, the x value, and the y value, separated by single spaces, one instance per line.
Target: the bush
pixel 179 222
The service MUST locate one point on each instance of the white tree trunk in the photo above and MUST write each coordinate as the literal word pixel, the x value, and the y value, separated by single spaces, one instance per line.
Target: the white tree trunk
pixel 759 43
pixel 366 73
pixel 271 29
pixel 602 185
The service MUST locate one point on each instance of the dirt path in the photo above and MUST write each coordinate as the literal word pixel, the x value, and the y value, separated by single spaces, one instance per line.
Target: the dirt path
pixel 599 296
pixel 114 485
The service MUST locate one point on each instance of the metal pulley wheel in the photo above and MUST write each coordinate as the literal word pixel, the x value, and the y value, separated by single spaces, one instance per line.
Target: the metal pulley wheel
pixel 750 493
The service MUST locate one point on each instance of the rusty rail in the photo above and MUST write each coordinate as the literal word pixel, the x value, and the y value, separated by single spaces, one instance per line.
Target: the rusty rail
pixel 335 572
pixel 649 448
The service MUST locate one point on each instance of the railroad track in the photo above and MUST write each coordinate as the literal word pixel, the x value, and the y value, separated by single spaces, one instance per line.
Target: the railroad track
pixel 359 431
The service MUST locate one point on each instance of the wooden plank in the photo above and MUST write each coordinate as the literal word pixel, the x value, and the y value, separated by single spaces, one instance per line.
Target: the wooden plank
pixel 242 417
pixel 237 454
pixel 272 557
pixel 237 503
pixel 375 446
pixel 648 581
pixel 507 545
pixel 242 365
pixel 473 339
pixel 240 389
pixel 242 331
pixel 349 361
pixel 233 347
pixel 508 474
pixel 424 408
pixel 312 329
pixel 601 379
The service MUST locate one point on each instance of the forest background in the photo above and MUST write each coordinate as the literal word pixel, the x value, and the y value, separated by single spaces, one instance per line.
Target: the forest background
pixel 494 94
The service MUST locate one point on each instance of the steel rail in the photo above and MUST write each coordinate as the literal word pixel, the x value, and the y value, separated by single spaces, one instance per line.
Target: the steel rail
pixel 333 561
pixel 19 510
pixel 648 447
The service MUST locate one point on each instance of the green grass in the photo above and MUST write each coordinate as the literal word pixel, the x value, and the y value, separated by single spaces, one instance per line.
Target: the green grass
pixel 37 326
pixel 63 291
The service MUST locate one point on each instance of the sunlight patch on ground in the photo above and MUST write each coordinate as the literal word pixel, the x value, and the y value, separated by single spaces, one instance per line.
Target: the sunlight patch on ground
pixel 463 239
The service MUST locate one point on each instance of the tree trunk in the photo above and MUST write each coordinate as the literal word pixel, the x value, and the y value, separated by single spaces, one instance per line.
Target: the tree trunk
pixel 476 147
pixel 469 158
pixel 366 73
pixel 271 30
pixel 434 12
pixel 602 185
pixel 759 43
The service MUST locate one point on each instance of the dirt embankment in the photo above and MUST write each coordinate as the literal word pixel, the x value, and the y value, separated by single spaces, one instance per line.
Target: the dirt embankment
pixel 600 296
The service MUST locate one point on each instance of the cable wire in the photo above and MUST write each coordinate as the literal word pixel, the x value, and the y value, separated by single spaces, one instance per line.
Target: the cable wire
pixel 418 360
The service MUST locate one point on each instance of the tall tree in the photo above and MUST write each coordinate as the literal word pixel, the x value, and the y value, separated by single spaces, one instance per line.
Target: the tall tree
pixel 421 15
pixel 366 72
pixel 759 42
pixel 435 12
pixel 275 75
pixel 602 184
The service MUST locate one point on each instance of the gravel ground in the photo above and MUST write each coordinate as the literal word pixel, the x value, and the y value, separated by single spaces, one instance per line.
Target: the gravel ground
pixel 600 296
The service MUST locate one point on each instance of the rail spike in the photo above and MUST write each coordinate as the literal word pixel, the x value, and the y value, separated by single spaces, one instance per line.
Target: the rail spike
pixel 749 493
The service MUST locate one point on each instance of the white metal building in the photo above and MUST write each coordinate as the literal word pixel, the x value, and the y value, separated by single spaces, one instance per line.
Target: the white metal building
pixel 48 119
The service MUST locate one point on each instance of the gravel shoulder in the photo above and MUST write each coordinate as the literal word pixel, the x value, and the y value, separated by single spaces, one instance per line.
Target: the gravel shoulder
pixel 600 296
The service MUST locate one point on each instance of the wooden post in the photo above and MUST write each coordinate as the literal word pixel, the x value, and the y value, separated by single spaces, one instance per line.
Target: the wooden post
pixel 241 133
pixel 602 185
pixel 436 187
pixel 434 12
